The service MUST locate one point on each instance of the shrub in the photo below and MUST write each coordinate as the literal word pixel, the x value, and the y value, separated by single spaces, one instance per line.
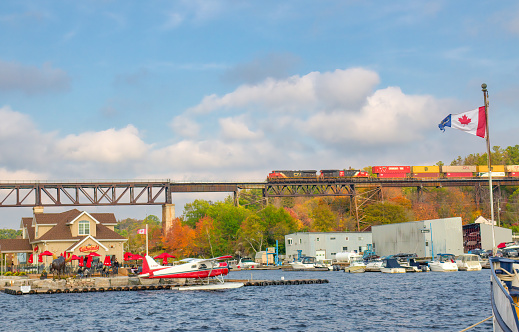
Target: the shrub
pixel 8 273
pixel 23 273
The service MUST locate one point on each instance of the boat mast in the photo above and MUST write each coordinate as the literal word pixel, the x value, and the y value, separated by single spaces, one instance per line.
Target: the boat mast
pixel 489 162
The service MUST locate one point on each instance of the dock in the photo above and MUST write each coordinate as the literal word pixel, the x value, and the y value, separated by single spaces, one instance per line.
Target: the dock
pixel 28 290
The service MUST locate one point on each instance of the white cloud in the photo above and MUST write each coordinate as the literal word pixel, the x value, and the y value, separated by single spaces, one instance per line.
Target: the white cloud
pixel 185 127
pixel 30 79
pixel 20 175
pixel 235 129
pixel 108 146
pixel 297 93
pixel 389 116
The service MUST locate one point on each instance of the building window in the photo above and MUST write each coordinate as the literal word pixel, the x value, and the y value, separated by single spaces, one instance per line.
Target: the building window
pixel 332 238
pixel 317 239
pixel 84 227
pixel 347 238
pixel 300 241
pixel 290 242
pixel 333 253
pixel 361 238
pixel 345 248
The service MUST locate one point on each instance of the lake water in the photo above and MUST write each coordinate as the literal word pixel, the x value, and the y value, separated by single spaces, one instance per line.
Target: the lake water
pixel 350 302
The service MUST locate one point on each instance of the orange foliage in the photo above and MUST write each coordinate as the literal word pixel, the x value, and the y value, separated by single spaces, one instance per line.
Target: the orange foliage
pixel 424 211
pixel 179 239
pixel 401 200
pixel 204 236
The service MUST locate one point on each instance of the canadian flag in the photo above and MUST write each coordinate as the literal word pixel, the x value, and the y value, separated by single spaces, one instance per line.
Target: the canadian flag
pixel 141 231
pixel 472 122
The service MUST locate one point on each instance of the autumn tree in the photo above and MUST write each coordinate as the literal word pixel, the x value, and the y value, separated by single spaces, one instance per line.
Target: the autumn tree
pixel 179 239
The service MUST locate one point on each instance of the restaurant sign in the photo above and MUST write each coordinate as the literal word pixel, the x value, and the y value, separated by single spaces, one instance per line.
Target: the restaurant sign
pixel 89 248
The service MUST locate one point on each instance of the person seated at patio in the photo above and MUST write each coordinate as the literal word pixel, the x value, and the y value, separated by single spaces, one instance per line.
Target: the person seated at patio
pixel 104 271
pixel 87 273
pixel 133 269
pixel 79 272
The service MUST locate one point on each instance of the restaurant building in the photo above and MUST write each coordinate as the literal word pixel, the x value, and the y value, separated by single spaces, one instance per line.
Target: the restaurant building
pixel 67 233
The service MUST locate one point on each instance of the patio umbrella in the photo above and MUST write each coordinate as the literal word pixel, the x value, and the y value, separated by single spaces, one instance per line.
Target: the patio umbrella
pixel 74 258
pixel 164 257
pixel 89 262
pixel 136 257
pixel 81 261
pixel 108 261
pixel 127 256
pixel 93 254
pixel 30 259
pixel 45 253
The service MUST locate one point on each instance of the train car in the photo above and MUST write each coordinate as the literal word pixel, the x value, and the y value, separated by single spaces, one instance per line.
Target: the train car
pixel 286 174
pixel 426 169
pixel 459 169
pixel 426 175
pixel 390 169
pixel 495 168
pixel 347 173
pixel 494 174
pixel 513 174
pixel 392 175
pixel 512 168
pixel 459 175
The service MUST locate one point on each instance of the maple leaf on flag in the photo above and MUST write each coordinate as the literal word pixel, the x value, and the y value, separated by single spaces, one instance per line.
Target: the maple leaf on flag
pixel 464 120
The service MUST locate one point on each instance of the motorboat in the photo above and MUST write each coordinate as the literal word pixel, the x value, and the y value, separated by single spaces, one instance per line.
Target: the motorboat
pixel 504 286
pixel 374 265
pixel 357 265
pixel 468 262
pixel 443 263
pixel 411 265
pixel 325 264
pixel 390 265
pixel 304 264
pixel 247 263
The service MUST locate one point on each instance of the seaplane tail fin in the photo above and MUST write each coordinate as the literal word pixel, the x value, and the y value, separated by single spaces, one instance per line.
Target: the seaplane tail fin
pixel 148 265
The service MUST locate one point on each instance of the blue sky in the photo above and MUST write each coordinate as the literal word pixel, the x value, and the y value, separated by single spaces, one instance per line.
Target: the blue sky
pixel 230 90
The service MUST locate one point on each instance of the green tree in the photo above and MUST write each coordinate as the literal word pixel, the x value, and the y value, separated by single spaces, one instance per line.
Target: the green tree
pixel 9 233
pixel 385 213
pixel 195 211
pixel 323 217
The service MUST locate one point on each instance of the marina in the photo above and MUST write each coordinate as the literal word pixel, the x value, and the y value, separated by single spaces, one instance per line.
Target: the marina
pixel 374 301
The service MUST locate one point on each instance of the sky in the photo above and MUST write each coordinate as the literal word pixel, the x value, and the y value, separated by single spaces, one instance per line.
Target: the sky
pixel 231 90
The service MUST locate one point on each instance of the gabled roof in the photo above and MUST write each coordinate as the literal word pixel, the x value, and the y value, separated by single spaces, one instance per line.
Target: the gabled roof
pixel 62 228
pixel 16 245
pixel 78 243
pixel 27 223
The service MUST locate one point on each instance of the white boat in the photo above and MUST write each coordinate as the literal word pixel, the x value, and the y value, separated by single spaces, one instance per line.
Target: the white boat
pixel 247 263
pixel 468 262
pixel 374 265
pixel 390 265
pixel 325 263
pixel 304 264
pixel 504 286
pixel 443 263
pixel 356 266
pixel 216 286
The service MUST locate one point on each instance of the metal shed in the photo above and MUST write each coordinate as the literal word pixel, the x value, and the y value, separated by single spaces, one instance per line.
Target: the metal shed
pixel 425 237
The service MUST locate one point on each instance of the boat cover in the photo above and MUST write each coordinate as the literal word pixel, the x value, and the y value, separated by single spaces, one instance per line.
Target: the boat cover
pixel 392 263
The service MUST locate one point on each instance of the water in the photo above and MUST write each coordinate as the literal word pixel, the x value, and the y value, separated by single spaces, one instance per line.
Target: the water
pixel 350 302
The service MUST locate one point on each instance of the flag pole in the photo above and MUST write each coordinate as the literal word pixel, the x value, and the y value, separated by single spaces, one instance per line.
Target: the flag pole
pixel 146 239
pixel 489 162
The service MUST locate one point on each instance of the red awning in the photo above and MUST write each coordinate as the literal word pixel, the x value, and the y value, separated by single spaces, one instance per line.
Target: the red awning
pixel 108 261
pixel 46 253
pixel 164 257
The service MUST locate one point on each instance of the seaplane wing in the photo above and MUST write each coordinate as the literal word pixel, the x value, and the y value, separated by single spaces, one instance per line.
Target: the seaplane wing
pixel 193 268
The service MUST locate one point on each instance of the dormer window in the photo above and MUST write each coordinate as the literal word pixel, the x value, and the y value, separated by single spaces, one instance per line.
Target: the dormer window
pixel 84 227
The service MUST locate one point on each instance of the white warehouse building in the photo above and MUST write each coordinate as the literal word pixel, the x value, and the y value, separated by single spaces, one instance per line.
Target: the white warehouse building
pixel 324 245
pixel 423 238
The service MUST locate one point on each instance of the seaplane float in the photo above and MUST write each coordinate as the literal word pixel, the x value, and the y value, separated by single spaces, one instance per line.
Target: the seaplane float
pixel 209 271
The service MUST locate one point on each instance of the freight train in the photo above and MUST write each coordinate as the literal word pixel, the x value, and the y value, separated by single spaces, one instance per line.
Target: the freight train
pixel 400 172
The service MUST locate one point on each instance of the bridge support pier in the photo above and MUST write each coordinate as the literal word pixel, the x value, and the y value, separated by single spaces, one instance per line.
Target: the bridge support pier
pixel 168 215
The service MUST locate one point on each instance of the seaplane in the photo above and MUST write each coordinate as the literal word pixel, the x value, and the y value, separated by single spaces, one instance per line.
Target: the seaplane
pixel 196 268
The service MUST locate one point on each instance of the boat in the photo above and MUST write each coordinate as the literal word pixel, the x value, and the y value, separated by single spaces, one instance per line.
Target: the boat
pixel 411 265
pixel 247 263
pixel 504 286
pixel 325 264
pixel 215 286
pixel 356 266
pixel 374 265
pixel 390 265
pixel 304 264
pixel 468 262
pixel 443 263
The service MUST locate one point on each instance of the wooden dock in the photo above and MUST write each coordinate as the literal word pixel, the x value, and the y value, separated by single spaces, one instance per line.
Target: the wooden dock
pixel 17 290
